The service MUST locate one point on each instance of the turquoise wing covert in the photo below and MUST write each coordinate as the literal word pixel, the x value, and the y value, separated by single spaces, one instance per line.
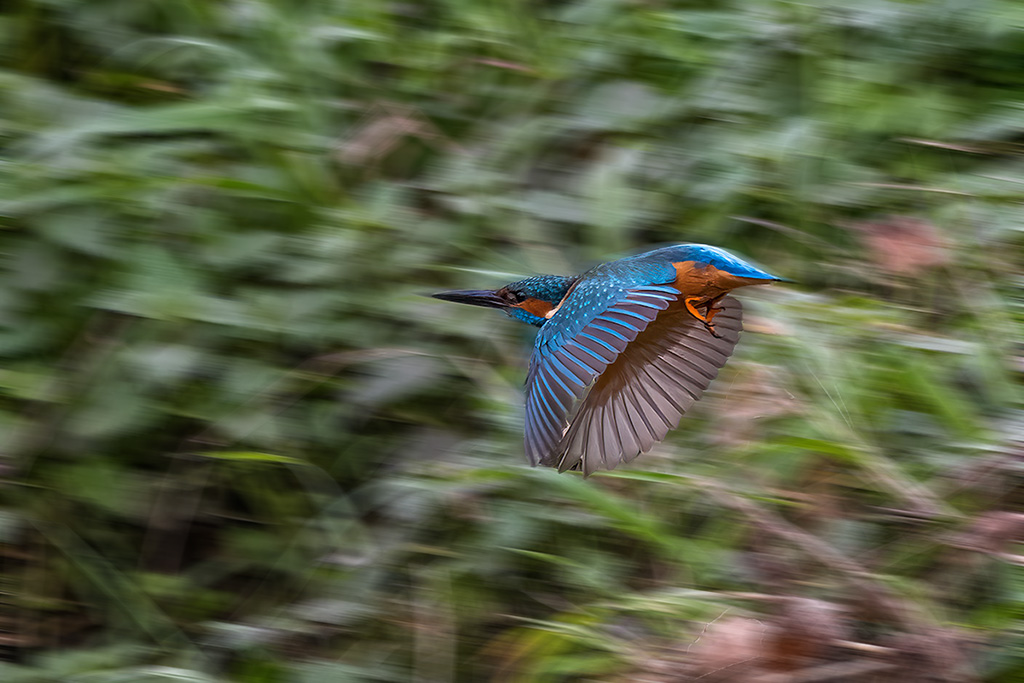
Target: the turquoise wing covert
pixel 595 323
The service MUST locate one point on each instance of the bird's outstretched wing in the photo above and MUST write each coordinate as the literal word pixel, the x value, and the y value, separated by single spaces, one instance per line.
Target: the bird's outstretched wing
pixel 577 417
pixel 593 325
pixel 642 395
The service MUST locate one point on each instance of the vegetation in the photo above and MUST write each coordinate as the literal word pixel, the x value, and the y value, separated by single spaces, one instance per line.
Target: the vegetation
pixel 238 445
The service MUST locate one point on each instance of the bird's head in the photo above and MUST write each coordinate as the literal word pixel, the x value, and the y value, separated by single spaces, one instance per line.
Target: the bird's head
pixel 531 300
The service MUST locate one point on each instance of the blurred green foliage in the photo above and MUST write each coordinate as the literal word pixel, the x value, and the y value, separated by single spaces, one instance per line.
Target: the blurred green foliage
pixel 237 445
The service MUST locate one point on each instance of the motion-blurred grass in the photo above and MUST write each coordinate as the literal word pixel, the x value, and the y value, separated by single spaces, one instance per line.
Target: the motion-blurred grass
pixel 236 445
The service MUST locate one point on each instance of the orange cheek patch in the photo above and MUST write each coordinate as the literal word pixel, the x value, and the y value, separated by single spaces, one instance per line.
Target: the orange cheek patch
pixel 536 307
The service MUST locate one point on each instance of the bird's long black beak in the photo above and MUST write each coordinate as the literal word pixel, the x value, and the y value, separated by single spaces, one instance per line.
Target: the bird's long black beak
pixel 473 297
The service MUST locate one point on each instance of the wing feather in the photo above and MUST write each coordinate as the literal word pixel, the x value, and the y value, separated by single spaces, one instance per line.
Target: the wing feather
pixel 574 349
pixel 614 370
pixel 643 393
pixel 646 434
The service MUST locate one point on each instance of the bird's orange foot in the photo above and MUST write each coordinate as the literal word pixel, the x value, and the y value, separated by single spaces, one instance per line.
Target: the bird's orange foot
pixel 707 318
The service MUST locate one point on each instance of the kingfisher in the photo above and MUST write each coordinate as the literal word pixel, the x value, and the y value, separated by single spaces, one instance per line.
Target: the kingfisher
pixel 623 350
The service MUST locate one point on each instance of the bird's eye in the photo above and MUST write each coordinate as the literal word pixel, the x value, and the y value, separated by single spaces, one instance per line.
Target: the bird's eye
pixel 513 297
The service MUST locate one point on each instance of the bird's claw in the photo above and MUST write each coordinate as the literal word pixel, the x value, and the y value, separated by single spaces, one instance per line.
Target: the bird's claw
pixel 707 317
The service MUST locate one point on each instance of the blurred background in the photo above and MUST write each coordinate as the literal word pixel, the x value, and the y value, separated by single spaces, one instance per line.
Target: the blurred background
pixel 236 443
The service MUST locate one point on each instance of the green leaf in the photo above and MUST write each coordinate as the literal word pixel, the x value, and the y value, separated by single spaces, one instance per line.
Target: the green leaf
pixel 252 456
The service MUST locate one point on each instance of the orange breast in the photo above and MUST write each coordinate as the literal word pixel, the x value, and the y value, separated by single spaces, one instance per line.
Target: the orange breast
pixel 705 280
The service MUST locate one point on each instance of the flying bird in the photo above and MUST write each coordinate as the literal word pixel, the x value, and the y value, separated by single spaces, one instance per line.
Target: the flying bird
pixel 623 349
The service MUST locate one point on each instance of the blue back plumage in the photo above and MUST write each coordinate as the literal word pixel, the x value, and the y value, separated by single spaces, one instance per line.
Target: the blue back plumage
pixel 703 253
pixel 603 285
pixel 598 289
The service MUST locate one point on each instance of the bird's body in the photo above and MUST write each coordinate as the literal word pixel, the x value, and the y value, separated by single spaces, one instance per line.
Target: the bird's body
pixel 623 349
